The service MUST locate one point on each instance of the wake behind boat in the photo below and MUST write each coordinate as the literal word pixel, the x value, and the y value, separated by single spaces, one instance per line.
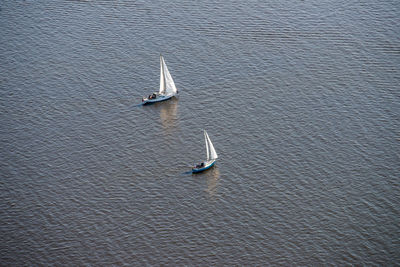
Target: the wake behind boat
pixel 167 86
pixel 211 156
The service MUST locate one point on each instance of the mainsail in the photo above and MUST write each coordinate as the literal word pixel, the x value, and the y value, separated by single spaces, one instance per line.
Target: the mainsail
pixel 207 149
pixel 211 153
pixel 162 77
pixel 167 85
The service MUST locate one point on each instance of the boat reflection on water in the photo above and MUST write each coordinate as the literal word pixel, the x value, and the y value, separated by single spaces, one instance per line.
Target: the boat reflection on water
pixel 212 178
pixel 168 115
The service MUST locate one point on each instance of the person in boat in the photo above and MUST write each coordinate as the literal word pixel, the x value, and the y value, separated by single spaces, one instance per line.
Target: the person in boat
pixel 152 96
pixel 201 165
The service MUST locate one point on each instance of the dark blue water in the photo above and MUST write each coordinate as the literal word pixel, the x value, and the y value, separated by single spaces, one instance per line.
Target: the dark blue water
pixel 301 101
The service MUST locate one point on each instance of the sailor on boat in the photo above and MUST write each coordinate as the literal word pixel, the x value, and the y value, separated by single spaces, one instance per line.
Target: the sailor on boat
pixel 152 96
pixel 201 165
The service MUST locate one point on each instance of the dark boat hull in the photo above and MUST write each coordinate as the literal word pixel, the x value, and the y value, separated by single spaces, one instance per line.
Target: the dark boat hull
pixel 197 170
pixel 158 99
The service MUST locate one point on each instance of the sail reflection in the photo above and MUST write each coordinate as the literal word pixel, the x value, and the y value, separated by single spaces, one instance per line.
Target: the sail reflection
pixel 168 115
pixel 213 181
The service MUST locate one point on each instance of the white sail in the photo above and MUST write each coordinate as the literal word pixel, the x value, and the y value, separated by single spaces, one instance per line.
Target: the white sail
pixel 167 85
pixel 206 141
pixel 211 153
pixel 162 76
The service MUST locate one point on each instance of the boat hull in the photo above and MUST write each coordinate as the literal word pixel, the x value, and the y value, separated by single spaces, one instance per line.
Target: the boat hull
pixel 158 99
pixel 196 170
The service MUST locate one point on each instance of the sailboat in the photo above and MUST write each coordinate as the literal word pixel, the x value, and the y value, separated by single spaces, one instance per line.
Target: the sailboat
pixel 211 156
pixel 167 86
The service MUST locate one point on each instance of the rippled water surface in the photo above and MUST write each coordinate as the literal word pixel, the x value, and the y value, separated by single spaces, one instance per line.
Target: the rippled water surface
pixel 300 98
